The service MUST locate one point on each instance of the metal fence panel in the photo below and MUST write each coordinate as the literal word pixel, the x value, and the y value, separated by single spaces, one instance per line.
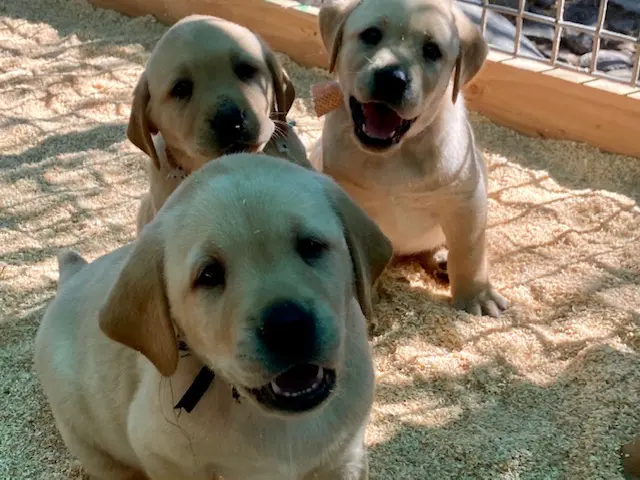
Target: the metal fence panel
pixel 598 31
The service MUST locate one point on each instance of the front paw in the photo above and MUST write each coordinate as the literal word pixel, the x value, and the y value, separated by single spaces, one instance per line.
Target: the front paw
pixel 487 301
pixel 434 262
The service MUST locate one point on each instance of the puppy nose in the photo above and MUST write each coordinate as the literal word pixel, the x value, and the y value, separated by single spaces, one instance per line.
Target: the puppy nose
pixel 229 124
pixel 389 84
pixel 289 332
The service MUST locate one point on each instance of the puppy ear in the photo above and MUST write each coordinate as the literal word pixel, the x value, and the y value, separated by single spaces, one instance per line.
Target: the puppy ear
pixel 283 88
pixel 473 51
pixel 370 249
pixel 136 312
pixel 288 94
pixel 140 127
pixel 331 20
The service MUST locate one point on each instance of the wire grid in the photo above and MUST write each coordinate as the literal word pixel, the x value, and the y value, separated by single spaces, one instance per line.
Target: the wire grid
pixel 598 31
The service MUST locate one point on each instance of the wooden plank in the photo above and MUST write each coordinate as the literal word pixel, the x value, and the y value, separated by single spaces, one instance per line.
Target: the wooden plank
pixel 287 29
pixel 540 104
pixel 530 97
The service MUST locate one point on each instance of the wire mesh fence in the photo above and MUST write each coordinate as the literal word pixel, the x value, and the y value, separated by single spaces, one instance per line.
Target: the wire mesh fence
pixel 594 30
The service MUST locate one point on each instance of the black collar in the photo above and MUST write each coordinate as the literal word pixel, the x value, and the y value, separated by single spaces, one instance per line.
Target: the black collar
pixel 199 387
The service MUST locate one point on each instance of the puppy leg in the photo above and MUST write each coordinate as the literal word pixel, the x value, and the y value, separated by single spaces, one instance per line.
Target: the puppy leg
pixel 435 263
pixel 315 155
pixel 467 264
pixel 355 467
pixel 145 213
pixel 158 468
pixel 345 472
pixel 98 464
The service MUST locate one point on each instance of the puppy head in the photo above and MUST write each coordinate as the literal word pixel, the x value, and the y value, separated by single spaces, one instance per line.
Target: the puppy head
pixel 210 87
pixel 259 287
pixel 396 61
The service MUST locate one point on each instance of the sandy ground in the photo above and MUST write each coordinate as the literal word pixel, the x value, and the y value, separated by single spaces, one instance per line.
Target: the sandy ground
pixel 549 391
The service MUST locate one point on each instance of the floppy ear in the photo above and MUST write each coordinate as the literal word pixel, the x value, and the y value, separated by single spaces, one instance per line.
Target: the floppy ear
pixel 331 19
pixel 136 312
pixel 370 249
pixel 140 127
pixel 473 51
pixel 288 94
pixel 283 88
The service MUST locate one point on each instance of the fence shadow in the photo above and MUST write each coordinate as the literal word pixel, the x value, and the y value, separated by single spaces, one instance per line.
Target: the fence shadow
pixel 573 165
pixel 70 179
pixel 450 428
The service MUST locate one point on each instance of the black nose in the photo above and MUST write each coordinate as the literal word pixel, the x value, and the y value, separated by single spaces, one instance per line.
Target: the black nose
pixel 229 125
pixel 289 332
pixel 390 84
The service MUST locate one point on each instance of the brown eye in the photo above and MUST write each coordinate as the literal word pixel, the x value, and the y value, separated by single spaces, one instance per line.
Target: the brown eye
pixel 245 71
pixel 371 36
pixel 431 52
pixel 182 89
pixel 213 275
pixel 310 249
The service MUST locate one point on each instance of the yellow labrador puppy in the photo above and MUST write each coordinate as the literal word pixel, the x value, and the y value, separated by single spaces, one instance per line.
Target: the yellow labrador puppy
pixel 401 144
pixel 210 87
pixel 224 342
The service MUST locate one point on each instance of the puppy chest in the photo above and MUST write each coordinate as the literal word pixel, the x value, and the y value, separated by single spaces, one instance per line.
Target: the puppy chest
pixel 411 228
pixel 410 220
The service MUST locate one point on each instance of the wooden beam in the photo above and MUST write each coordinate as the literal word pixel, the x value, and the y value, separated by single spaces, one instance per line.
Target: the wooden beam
pixel 538 100
pixel 287 26
pixel 530 97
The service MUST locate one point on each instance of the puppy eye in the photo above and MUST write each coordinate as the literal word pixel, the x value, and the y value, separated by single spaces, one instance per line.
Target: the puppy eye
pixel 371 36
pixel 212 275
pixel 431 51
pixel 311 249
pixel 182 90
pixel 245 71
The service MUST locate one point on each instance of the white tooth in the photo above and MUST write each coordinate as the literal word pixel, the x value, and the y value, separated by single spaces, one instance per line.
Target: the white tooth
pixel 318 380
pixel 276 389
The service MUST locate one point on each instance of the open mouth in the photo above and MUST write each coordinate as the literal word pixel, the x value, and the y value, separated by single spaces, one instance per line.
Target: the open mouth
pixel 300 389
pixel 241 148
pixel 377 125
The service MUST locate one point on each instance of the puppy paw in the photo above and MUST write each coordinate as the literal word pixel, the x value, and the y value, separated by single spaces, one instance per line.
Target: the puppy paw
pixel 487 301
pixel 435 263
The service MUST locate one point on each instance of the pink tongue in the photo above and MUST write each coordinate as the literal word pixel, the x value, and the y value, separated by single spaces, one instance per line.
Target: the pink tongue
pixel 380 121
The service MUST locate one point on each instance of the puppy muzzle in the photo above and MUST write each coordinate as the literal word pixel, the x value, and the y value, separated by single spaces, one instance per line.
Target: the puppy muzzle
pixel 302 353
pixel 238 130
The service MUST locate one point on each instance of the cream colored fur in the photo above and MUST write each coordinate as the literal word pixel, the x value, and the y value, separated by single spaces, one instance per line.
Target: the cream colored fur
pixel 177 132
pixel 107 354
pixel 431 187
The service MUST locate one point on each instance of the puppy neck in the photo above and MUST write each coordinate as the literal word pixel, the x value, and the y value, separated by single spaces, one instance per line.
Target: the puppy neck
pixel 201 383
pixel 176 170
pixel 171 167
pixel 172 158
pixel 447 120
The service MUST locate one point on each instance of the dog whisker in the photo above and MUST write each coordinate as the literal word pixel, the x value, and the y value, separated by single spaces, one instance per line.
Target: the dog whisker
pixel 278 133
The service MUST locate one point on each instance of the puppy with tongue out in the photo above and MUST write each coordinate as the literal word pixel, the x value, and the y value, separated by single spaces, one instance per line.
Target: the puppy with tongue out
pixel 397 138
